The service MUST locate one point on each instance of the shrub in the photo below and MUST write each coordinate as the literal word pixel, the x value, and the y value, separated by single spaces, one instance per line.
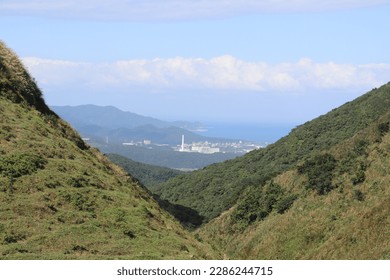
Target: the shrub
pixel 260 202
pixel 383 128
pixel 359 177
pixel 19 164
pixel 83 202
pixel 319 170
pixel 78 182
pixel 129 234
pixel 358 195
pixel 360 147
pixel 284 204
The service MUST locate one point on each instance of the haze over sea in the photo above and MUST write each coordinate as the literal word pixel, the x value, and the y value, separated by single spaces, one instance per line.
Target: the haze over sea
pixel 260 133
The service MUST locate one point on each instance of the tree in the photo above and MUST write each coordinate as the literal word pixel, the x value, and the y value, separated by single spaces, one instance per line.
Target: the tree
pixel 319 170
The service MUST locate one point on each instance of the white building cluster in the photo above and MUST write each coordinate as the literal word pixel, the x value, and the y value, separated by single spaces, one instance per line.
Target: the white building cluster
pixel 204 149
pixel 201 147
pixel 211 148
pixel 138 143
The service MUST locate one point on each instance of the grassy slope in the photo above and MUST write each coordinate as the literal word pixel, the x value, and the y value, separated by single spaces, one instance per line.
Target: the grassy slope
pixel 60 199
pixel 216 188
pixel 350 222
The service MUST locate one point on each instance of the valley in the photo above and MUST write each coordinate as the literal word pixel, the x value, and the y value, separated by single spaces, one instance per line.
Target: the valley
pixel 320 192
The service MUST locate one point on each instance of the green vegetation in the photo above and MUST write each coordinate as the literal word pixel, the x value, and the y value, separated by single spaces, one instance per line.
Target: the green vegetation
pixel 319 170
pixel 16 165
pixel 259 203
pixel 61 199
pixel 19 164
pixel 337 216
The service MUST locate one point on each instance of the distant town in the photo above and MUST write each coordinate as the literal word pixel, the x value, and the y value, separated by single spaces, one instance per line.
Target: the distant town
pixel 235 146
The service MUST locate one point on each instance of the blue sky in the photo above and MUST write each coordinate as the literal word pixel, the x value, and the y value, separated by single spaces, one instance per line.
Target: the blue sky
pixel 272 61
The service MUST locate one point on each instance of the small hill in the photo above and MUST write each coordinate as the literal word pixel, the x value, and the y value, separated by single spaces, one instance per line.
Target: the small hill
pixel 61 199
pixel 218 187
pixel 150 176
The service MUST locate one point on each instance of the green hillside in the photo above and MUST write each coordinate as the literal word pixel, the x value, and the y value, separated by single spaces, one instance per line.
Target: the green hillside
pixel 217 188
pixel 333 205
pixel 61 199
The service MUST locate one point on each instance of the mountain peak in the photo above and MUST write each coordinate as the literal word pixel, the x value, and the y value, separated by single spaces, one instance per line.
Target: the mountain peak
pixel 16 84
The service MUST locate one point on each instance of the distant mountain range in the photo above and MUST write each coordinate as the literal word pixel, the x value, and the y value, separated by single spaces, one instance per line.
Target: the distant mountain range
pixel 109 124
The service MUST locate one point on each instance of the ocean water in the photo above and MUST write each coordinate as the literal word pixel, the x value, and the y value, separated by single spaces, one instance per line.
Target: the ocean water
pixel 260 133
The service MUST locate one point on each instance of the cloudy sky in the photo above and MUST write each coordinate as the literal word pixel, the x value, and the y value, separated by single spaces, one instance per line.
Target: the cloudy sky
pixel 279 61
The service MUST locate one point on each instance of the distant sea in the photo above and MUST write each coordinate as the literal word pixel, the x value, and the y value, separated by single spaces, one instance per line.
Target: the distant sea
pixel 260 133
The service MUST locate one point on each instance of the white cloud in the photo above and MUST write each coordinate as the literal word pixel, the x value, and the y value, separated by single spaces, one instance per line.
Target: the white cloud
pixel 219 73
pixel 169 9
